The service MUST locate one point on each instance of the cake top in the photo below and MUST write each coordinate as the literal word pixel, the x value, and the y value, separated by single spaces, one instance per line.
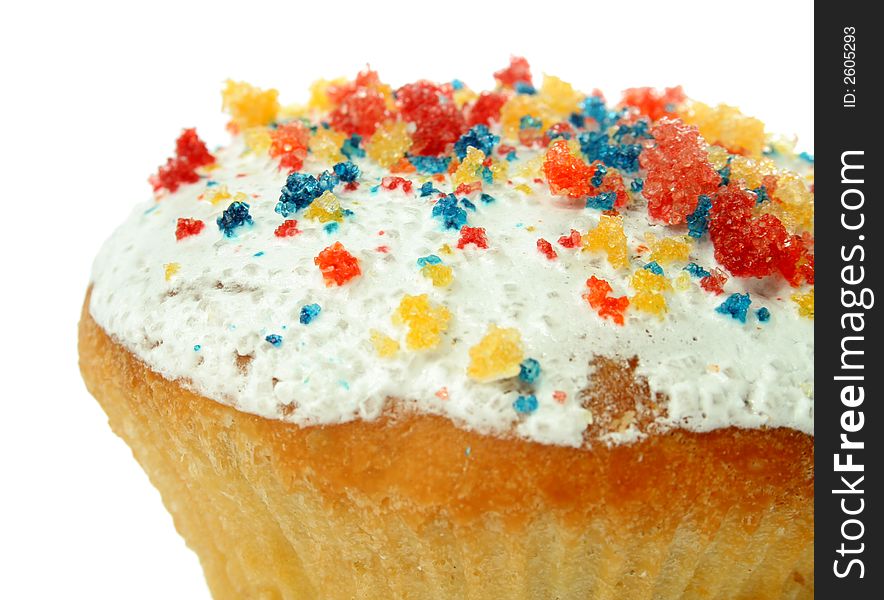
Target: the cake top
pixel 528 261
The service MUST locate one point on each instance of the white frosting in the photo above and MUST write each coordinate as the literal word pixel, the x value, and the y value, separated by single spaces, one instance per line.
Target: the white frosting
pixel 715 371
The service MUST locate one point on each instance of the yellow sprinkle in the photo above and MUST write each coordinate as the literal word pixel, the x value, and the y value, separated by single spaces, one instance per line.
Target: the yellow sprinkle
pixel 524 188
pixel 326 144
pixel 319 99
pixel 805 303
pixel 325 208
pixel 249 106
pixel 171 269
pixel 445 249
pixel 440 275
pixel 683 281
pixel 464 96
pixel 608 237
pixel 470 168
pixel 425 320
pixel 257 139
pixel 649 297
pixel 670 249
pixel 218 195
pixel 384 345
pixel 389 143
pixel 530 228
pixel 559 96
pixel 497 355
pixel 726 126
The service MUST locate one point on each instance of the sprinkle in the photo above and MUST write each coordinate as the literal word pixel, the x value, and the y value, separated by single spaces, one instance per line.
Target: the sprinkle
pixel 234 216
pixel 427 189
pixel 384 345
pixel 529 370
pixel 637 185
pixel 525 405
pixel 472 235
pixel 337 265
pixel 249 106
pixel 346 171
pixel 351 148
pixel 480 138
pixel 572 240
pixel 288 228
pixel 274 340
pixel 736 306
pixel 609 237
pixel 545 248
pixel 325 208
pixel 654 268
pixel 486 198
pixel 762 314
pixel 698 221
pixel 188 227
pixel 196 347
pixel 599 297
pixel 170 270
pixel 394 182
pixel 190 154
pixel 805 303
pixel 425 320
pixel 309 312
pixel 560 396
pixel 696 270
pixel 430 259
pixel 498 355
pixel 258 253
pixel 430 165
pixel 603 201
pixel 442 394
pixel 449 213
pixel 299 191
pixel 440 275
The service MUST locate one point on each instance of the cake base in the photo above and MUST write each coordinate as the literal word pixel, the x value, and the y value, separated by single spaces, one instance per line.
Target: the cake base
pixel 410 506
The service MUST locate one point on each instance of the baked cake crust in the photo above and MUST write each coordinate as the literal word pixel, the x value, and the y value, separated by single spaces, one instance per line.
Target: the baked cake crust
pixel 412 506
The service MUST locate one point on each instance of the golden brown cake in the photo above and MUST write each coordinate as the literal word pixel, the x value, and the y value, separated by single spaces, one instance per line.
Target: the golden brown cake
pixel 441 344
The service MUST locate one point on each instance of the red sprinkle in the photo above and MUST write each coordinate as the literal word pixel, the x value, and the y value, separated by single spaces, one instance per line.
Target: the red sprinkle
pixel 486 108
pixel 714 282
pixel 394 182
pixel 465 189
pixel 546 249
pixel 472 235
pixel 560 396
pixel 607 306
pixel 337 265
pixel 190 154
pixel 570 241
pixel 288 228
pixel 187 228
pixel 519 71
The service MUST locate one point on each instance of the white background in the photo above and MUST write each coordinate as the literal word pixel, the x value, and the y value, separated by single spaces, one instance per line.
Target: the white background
pixel 92 97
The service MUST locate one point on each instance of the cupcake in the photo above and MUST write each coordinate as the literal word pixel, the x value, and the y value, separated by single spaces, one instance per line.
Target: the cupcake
pixel 430 342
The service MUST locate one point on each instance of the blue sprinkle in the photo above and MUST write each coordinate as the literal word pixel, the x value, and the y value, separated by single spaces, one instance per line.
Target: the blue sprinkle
pixel 456 84
pixel 603 201
pixel 637 185
pixel 529 370
pixel 258 253
pixel 487 175
pixel 211 183
pixel 806 157
pixel 529 122
pixel 351 148
pixel 525 405
pixel 577 120
pixel 596 145
pixel 274 339
pixel 480 138
pixel 151 209
pixel 347 212
pixel 331 227
pixel 234 216
pixel 725 174
pixel 343 383
pixel 510 156
pixel 761 195
pixel 486 198
pixel 346 171
pixel 299 191
pixel 328 181
pixel 308 313
pixel 696 270
pixel 523 87
pixel 430 165
pixel 654 267
pixel 594 108
pixel 763 314
pixel 196 347
pixel 468 205
pixel 449 213
pixel 427 189
pixel 430 259
pixel 553 134
pixel 736 306
pixel 698 221
pixel 599 176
